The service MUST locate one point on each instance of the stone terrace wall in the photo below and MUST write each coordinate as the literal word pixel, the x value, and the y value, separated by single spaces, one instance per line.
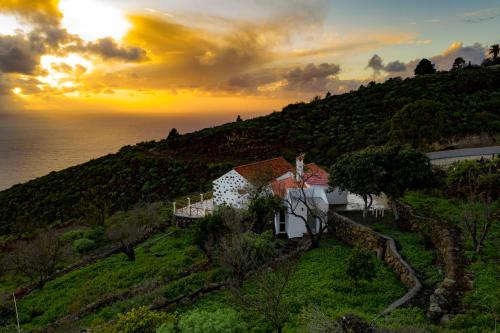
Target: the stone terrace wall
pixel 353 233
pixel 449 243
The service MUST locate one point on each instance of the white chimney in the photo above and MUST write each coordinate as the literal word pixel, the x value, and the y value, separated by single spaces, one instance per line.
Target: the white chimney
pixel 299 168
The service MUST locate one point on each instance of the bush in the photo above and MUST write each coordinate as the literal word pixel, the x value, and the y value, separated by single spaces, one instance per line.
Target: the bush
pixel 83 245
pixel 73 235
pixel 139 320
pixel 483 176
pixel 219 321
pixel 360 266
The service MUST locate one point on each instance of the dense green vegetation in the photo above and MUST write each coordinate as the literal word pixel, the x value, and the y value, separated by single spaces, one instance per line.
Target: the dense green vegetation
pixel 324 128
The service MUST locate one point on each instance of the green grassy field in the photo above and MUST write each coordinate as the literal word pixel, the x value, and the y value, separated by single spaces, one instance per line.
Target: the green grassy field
pixel 320 281
pixel 157 259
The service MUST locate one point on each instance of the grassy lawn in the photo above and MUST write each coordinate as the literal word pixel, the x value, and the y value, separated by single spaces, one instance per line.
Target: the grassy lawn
pixel 320 281
pixel 157 258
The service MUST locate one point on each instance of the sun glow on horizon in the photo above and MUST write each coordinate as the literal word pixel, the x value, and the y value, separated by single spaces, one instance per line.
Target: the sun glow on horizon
pixel 91 19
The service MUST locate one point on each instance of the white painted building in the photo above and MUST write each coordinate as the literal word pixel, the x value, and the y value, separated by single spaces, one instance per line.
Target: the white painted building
pixel 296 186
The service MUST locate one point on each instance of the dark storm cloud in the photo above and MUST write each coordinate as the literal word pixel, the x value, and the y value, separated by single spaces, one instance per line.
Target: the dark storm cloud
pixel 311 74
pixel 395 66
pixel 17 55
pixel 376 63
pixel 108 48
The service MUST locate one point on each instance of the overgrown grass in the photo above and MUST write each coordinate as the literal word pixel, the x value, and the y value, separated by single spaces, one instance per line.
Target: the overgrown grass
pixel 320 280
pixel 412 248
pixel 482 304
pixel 168 291
pixel 156 259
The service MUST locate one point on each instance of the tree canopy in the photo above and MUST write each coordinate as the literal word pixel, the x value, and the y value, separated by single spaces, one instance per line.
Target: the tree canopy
pixel 375 170
pixel 425 66
pixel 419 123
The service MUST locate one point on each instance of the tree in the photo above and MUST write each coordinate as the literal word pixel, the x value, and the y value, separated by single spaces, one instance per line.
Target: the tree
pixel 478 218
pixel 391 170
pixel 459 63
pixel 425 66
pixel 412 123
pixel 208 231
pixel 316 321
pixel 173 134
pixel 241 252
pixel 404 169
pixel 269 299
pixel 130 228
pixel 479 213
pixel 361 173
pixel 227 238
pixel 360 266
pixel 470 179
pixel 494 51
pixel 36 259
pixel 262 210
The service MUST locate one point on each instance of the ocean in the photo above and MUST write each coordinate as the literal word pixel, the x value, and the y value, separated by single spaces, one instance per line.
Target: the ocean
pixel 32 145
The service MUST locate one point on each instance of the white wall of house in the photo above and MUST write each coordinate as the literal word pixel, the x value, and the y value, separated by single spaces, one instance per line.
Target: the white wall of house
pixel 295 226
pixel 231 189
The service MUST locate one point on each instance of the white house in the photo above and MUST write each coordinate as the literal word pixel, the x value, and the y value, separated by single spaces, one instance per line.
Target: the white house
pixel 303 189
pixel 236 187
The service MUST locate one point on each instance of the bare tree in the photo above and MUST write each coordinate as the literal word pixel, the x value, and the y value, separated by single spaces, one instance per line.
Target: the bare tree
pixel 318 322
pixel 240 250
pixel 303 203
pixel 478 219
pixel 133 227
pixel 270 300
pixel 37 259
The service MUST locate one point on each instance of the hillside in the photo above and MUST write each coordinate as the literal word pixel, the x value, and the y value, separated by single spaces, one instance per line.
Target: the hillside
pixel 324 128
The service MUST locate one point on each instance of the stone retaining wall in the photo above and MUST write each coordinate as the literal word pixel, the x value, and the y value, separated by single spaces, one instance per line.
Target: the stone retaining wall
pixel 449 243
pixel 356 234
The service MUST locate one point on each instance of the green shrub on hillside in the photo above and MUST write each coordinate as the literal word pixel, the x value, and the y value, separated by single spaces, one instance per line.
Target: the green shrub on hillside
pixel 139 320
pixel 91 233
pixel 360 267
pixel 83 245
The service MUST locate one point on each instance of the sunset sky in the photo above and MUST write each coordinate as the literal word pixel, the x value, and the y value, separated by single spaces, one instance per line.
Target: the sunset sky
pixel 180 56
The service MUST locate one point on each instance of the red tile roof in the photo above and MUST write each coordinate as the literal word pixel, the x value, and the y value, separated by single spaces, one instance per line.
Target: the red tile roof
pixel 314 175
pixel 264 171
pixel 280 186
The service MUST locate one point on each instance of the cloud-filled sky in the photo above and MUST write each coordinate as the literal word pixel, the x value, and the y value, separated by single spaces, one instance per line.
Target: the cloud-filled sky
pixel 214 55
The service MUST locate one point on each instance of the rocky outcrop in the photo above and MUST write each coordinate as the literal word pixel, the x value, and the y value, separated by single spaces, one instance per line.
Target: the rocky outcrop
pixel 356 234
pixel 448 241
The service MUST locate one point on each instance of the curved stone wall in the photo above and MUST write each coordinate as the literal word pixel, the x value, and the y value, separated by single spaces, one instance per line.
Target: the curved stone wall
pixel 449 243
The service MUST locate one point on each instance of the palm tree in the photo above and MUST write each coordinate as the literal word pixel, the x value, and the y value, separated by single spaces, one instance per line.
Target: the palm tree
pixel 494 51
